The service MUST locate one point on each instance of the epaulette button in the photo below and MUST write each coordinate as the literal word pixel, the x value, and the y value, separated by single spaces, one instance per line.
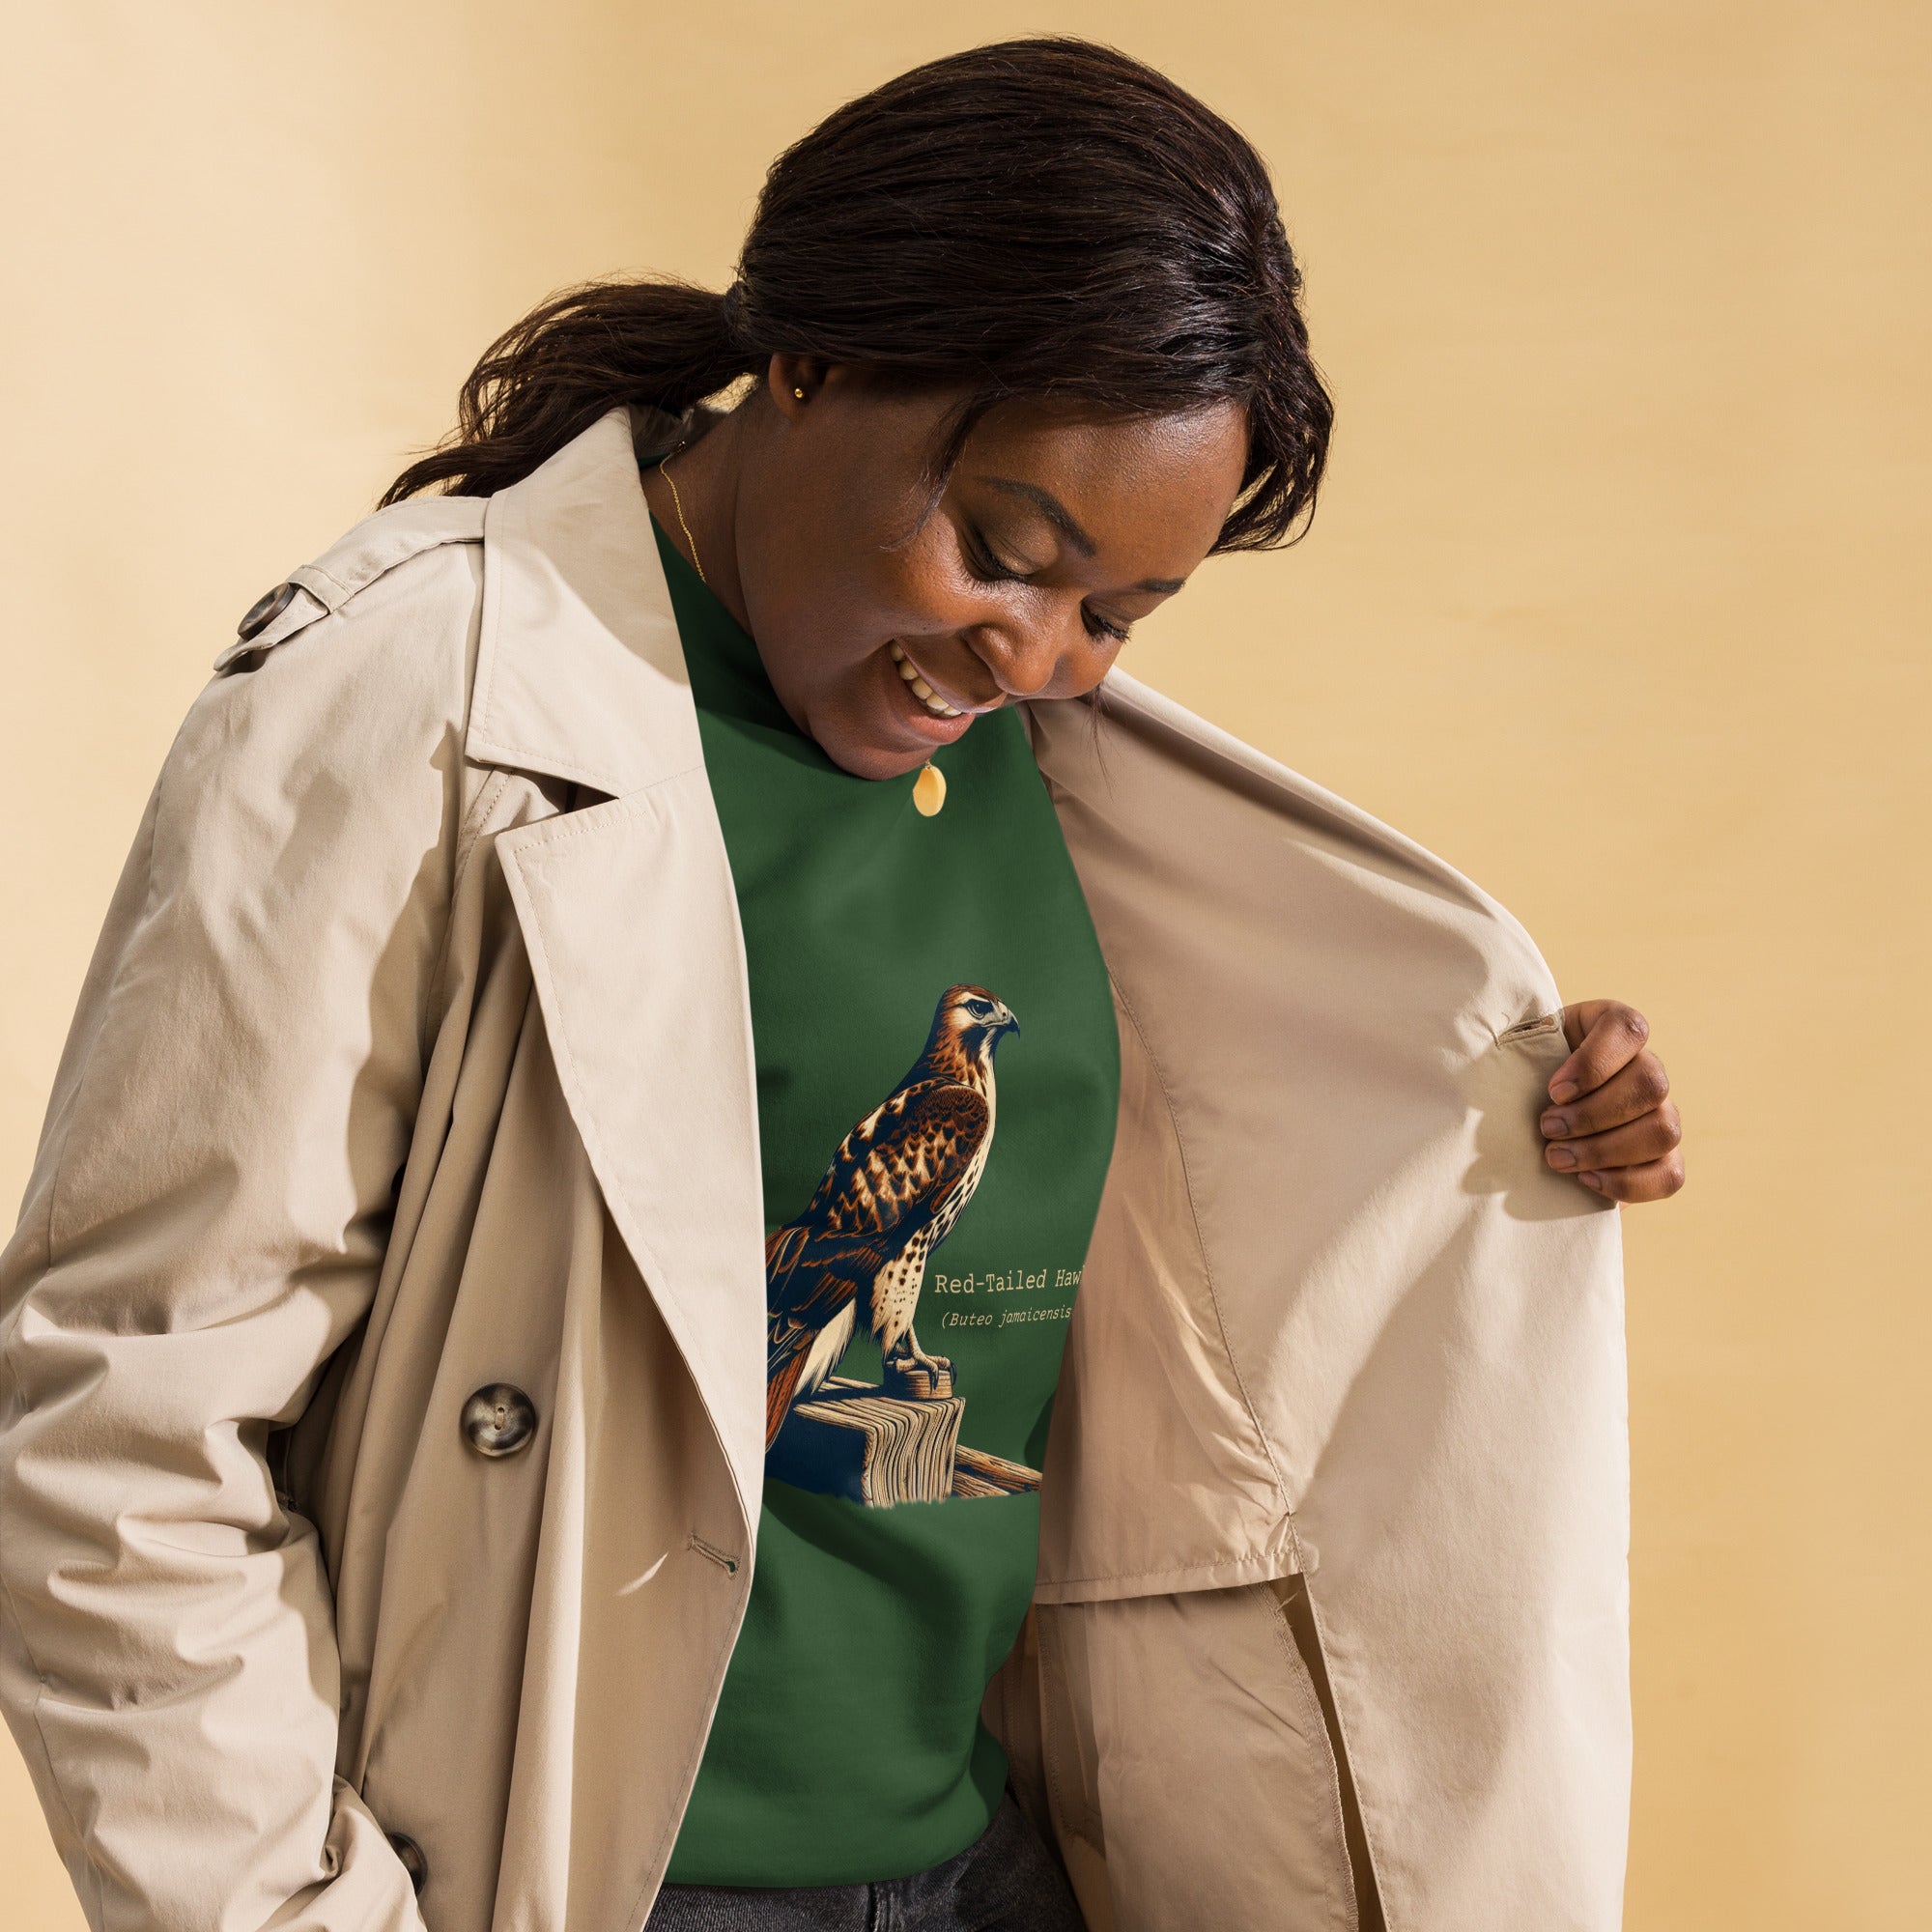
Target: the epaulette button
pixel 264 612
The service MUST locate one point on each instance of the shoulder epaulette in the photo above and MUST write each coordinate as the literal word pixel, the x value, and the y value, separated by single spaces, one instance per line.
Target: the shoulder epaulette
pixel 376 546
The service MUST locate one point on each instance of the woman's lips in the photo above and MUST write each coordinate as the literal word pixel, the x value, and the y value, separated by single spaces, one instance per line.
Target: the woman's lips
pixel 916 682
pixel 932 715
pixel 923 725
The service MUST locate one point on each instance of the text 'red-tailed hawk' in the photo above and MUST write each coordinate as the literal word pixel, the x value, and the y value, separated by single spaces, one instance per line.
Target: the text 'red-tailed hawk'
pixel 900 1180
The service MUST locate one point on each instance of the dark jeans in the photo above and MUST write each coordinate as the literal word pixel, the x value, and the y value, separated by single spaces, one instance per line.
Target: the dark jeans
pixel 1004 1880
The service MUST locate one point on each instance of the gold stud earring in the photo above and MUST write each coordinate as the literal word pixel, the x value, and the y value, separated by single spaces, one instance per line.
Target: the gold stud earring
pixel 800 394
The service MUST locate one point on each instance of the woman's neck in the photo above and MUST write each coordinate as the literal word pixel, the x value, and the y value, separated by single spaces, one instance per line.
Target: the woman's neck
pixel 699 515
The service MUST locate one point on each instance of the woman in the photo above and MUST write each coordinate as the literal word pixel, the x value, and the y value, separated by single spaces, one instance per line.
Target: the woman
pixel 607 1058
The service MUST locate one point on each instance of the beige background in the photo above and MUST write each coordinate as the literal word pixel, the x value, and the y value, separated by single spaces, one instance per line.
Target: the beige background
pixel 1610 601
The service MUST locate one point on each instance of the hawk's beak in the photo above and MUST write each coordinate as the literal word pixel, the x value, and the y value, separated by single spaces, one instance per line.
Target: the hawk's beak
pixel 1006 1018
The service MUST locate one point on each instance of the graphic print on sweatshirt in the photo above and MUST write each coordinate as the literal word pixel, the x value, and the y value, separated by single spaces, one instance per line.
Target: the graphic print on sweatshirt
pixel 855 1264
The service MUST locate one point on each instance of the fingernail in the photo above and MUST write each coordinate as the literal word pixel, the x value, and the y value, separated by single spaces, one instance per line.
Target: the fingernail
pixel 1563 1157
pixel 1563 1089
pixel 1555 1126
pixel 1595 1181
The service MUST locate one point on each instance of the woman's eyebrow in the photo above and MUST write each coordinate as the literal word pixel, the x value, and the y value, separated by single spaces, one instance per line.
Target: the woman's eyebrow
pixel 1062 519
pixel 1050 507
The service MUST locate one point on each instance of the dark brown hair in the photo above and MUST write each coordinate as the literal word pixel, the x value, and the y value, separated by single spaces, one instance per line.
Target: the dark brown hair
pixel 1040 218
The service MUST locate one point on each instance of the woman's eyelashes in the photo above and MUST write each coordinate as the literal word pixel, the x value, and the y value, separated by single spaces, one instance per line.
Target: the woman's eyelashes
pixel 985 564
pixel 987 567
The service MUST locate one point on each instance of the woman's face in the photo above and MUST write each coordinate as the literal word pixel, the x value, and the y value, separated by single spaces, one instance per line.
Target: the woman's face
pixel 1055 533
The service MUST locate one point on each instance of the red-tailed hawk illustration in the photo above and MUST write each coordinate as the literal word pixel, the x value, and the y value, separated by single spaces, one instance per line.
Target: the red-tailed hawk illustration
pixel 900 1180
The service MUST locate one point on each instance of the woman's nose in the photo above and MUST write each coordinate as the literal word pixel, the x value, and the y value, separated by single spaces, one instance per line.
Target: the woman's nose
pixel 1023 660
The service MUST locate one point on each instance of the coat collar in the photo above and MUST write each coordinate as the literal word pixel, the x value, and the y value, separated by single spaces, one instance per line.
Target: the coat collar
pixel 579 674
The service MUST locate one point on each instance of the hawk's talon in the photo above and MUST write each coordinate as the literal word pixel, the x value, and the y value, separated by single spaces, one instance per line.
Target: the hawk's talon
pixel 917 1376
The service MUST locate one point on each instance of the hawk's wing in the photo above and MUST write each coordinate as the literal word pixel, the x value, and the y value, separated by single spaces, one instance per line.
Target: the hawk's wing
pixel 886 1183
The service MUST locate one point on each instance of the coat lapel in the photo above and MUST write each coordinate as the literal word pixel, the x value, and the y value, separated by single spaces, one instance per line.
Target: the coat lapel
pixel 627 906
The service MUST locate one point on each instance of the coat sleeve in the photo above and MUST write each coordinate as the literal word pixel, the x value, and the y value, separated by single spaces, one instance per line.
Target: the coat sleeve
pixel 205 1224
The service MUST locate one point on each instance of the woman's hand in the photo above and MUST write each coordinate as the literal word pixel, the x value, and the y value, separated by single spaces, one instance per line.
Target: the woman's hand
pixel 1611 1126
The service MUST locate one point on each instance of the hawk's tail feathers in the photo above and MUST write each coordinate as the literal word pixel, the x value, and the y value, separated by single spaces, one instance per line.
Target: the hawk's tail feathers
pixel 778 1387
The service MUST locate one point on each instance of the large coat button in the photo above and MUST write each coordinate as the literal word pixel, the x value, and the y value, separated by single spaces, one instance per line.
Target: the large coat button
pixel 498 1420
pixel 264 612
pixel 411 1855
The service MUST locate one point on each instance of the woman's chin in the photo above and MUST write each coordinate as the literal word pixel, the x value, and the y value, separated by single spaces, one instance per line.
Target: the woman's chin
pixel 872 759
pixel 890 742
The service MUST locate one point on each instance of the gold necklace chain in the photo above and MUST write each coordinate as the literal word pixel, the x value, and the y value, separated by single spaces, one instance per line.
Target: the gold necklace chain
pixel 677 502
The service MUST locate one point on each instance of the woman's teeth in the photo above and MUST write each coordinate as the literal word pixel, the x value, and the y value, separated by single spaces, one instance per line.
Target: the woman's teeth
pixel 921 690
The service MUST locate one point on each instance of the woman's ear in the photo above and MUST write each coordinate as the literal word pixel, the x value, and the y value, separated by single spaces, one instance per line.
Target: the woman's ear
pixel 794 381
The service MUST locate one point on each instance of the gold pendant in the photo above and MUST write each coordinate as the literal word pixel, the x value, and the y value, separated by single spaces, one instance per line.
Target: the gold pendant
pixel 928 790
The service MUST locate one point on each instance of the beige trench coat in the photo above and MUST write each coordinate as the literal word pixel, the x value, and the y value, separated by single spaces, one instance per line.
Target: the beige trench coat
pixel 416 1057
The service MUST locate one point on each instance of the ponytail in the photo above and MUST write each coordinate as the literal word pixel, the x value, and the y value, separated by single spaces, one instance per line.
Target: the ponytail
pixel 567 363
